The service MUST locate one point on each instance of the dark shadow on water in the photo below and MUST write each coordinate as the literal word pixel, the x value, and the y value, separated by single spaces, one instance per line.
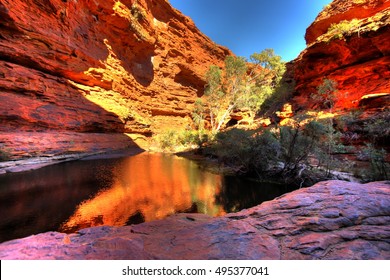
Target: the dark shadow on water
pixel 241 193
pixel 40 200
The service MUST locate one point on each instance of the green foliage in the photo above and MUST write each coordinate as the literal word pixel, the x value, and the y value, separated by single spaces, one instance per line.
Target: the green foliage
pixel 214 80
pixel 224 90
pixel 275 98
pixel 199 114
pixel 377 132
pixel 235 69
pixel 173 140
pixel 290 147
pixel 238 86
pixel 270 61
pixel 325 96
pixel 379 168
pixel 168 139
pixel 246 151
pixel 377 129
pixel 304 152
pixel 274 88
pixel 298 144
pixel 339 30
pixel 193 137
pixel 294 153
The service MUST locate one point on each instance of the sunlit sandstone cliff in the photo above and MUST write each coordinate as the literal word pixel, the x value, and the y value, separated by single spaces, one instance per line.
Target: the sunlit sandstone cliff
pixel 76 75
pixel 354 53
pixel 102 66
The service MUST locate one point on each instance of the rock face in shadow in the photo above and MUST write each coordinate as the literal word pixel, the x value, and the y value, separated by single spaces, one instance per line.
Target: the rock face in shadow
pixel 331 220
pixel 99 66
pixel 354 53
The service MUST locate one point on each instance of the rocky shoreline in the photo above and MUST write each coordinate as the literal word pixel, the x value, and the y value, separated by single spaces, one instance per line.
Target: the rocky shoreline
pixel 34 163
pixel 330 220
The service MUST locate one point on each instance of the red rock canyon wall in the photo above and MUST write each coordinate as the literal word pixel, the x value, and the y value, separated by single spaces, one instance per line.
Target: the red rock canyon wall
pixel 356 58
pixel 96 66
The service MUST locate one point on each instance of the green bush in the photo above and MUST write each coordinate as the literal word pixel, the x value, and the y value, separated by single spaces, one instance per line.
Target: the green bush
pixel 325 95
pixel 190 137
pixel 246 151
pixel 344 27
pixel 278 96
pixel 379 168
pixel 167 139
pixel 174 140
pixel 298 144
pixel 377 129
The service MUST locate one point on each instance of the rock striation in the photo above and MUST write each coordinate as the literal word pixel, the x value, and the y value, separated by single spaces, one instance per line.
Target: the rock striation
pixel 331 220
pixel 348 43
pixel 69 68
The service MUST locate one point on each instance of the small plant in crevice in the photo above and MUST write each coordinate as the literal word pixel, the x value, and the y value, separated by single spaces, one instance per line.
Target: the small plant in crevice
pixel 341 29
pixel 137 12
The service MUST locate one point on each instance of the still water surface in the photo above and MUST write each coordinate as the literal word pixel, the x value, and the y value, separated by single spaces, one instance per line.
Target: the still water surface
pixel 74 195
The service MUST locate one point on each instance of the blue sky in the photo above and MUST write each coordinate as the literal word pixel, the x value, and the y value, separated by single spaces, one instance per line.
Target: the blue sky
pixel 249 26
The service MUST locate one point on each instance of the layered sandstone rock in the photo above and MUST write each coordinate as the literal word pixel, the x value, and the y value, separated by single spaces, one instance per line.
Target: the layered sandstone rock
pixel 331 220
pixel 354 52
pixel 104 66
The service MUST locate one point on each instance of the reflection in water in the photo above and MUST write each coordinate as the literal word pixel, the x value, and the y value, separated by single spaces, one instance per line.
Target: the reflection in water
pixel 239 193
pixel 124 191
pixel 40 200
pixel 148 187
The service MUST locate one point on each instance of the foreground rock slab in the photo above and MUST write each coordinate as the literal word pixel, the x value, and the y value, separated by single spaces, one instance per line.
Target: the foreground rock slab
pixel 331 220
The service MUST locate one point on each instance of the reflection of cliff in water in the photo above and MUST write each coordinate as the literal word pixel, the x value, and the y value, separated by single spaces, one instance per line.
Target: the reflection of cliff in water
pixel 149 187
pixel 121 191
pixel 40 200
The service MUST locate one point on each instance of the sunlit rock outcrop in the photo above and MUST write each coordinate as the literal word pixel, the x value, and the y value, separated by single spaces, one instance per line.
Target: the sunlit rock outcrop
pixel 104 66
pixel 347 43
